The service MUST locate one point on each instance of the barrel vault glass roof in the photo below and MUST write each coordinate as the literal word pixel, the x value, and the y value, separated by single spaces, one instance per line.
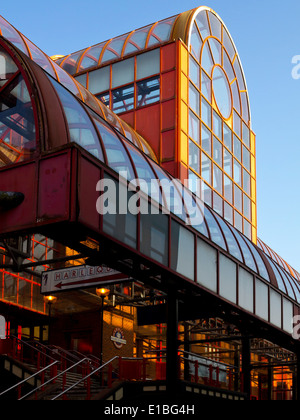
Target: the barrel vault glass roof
pixel 32 51
pixel 116 48
pixel 112 147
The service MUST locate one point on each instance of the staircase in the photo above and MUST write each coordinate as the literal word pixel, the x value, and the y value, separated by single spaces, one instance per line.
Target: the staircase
pixel 39 372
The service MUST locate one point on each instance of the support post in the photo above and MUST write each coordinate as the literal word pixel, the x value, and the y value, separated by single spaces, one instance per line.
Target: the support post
pixel 246 365
pixel 172 342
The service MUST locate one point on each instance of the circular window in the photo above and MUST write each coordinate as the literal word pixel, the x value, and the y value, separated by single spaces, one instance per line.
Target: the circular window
pixel 222 92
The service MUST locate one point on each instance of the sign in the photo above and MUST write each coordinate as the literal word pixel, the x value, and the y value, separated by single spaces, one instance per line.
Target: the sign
pixel 79 277
pixel 118 338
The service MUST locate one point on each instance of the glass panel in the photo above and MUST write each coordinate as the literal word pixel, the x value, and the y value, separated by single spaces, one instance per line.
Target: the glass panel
pixel 227 162
pixel 261 300
pixel 17 124
pixel 246 182
pixel 70 64
pixel 82 79
pixel 206 168
pixel 154 237
pixel 217 125
pixel 217 152
pixel 289 288
pixel 194 127
pixel 206 265
pixel 227 136
pixel 91 57
pixel 206 86
pixel 122 73
pixel 123 99
pixel 259 261
pixel 163 29
pixel 194 99
pixel 246 135
pixel 228 189
pixel 182 250
pixel 148 91
pixel 239 74
pixel 148 64
pixel 194 157
pixel 118 225
pixel 12 35
pixel 206 140
pixel 275 308
pixel 196 42
pixel 99 80
pixel 288 314
pixel 227 278
pixel 194 72
pixel 228 44
pixel 217 203
pixel 238 201
pixel 117 157
pixel 137 40
pixel 146 177
pixel 66 80
pixel 280 282
pixel 215 24
pixel 206 112
pixel 249 261
pixel 231 241
pixel 228 67
pixel 214 229
pixel 40 58
pixel 238 180
pixel 216 50
pixel 81 128
pixel 245 290
pixel 203 25
pixel 228 213
pixel 199 223
pixel 245 107
pixel 222 92
pixel 207 62
pixel 237 148
pixel 218 179
pixel 172 198
pixel 246 158
pixel 238 221
pixel 247 207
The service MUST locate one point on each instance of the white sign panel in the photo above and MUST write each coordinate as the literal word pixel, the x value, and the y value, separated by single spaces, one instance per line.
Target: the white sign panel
pixel 79 277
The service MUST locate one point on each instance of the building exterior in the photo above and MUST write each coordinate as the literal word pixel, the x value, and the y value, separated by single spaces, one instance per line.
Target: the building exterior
pixel 160 105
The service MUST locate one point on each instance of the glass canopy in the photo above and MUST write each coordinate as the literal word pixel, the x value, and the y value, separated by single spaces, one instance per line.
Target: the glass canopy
pixel 33 52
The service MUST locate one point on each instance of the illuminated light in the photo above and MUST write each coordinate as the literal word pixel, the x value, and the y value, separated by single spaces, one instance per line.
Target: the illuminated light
pixel 50 299
pixel 102 292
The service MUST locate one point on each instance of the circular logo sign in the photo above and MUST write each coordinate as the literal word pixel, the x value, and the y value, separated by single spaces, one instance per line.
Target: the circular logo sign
pixel 118 338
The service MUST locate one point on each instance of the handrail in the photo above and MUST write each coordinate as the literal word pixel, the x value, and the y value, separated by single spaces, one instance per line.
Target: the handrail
pixel 30 377
pixel 86 377
pixel 52 379
pixel 32 347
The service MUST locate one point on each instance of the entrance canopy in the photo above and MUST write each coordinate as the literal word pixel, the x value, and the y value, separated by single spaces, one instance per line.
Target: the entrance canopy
pixel 62 147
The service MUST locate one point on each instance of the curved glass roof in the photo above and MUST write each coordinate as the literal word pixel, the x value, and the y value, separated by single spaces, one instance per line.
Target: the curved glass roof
pixel 119 47
pixel 92 131
pixel 28 48
pixel 279 260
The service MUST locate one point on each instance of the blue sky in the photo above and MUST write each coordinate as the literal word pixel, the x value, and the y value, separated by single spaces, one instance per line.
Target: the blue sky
pixel 267 38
